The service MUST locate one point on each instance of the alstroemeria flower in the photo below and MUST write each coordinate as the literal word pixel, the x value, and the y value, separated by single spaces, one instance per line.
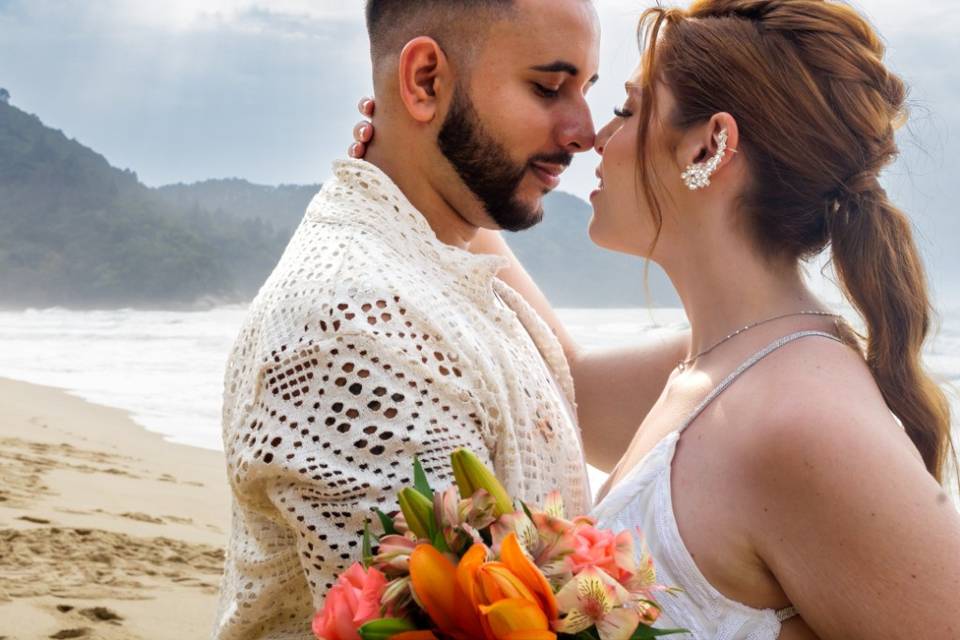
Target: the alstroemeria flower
pixel 642 585
pixel 397 596
pixel 460 519
pixel 519 524
pixel 553 505
pixel 393 553
pixel 595 598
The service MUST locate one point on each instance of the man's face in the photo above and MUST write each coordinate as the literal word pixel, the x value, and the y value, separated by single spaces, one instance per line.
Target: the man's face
pixel 513 129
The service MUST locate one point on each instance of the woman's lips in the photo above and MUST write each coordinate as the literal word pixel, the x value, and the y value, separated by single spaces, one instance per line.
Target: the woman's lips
pixel 599 186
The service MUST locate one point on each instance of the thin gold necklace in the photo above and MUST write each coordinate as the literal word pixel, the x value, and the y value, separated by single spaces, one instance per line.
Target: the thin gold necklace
pixel 683 364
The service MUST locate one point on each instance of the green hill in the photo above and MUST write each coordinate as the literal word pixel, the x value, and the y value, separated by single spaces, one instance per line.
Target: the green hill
pixel 574 272
pixel 81 233
pixel 281 207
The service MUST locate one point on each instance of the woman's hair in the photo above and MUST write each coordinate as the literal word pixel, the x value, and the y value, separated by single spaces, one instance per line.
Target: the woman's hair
pixel 816 110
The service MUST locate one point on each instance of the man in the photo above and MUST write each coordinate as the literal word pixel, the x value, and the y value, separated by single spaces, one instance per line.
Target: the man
pixel 379 336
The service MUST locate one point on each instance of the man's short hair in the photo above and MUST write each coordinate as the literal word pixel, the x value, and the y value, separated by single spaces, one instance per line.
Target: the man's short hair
pixel 393 23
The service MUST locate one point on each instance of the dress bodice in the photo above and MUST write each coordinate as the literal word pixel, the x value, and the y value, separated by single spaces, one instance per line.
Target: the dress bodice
pixel 642 502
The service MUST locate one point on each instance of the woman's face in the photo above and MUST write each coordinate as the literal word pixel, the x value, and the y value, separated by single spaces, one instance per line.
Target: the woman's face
pixel 622 218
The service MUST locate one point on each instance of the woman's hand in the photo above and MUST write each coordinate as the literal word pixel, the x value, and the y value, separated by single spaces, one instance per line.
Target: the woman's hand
pixel 363 131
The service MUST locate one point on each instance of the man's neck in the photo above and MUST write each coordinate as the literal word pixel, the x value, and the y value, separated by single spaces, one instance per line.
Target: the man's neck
pixel 449 226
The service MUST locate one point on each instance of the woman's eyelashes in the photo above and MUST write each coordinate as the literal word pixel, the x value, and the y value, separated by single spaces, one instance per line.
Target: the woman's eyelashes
pixel 622 113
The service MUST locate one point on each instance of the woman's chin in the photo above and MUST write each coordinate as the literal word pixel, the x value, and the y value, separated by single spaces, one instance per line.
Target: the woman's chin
pixel 612 239
pixel 596 232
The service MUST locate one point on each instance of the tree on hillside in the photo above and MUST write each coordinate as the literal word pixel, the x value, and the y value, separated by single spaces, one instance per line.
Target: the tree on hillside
pixel 4 95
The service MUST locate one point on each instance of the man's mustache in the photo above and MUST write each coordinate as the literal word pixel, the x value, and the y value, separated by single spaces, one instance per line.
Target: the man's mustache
pixel 561 158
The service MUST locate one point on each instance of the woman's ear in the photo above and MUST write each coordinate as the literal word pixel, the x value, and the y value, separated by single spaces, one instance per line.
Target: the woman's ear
pixel 425 76
pixel 702 142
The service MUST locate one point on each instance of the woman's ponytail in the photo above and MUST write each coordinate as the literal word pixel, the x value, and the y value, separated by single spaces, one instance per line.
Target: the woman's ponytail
pixel 880 272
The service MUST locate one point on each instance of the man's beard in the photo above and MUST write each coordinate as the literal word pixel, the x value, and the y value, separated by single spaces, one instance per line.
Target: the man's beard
pixel 486 168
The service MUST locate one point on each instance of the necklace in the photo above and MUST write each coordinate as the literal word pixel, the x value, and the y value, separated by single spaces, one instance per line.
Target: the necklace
pixel 683 364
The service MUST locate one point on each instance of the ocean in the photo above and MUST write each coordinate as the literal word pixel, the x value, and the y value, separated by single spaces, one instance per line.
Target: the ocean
pixel 166 367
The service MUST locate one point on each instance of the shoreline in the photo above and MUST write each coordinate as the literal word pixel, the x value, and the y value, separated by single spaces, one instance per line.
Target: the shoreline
pixel 107 530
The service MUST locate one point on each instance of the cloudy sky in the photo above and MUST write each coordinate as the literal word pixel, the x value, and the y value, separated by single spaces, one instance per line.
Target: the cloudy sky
pixel 184 90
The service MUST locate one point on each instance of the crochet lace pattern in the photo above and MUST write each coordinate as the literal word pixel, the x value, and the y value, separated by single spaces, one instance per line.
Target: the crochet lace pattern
pixel 372 342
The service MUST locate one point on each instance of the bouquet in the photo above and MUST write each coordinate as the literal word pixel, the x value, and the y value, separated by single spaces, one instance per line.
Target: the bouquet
pixel 471 563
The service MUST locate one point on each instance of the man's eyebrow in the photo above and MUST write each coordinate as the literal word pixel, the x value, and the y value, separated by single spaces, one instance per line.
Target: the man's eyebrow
pixel 562 66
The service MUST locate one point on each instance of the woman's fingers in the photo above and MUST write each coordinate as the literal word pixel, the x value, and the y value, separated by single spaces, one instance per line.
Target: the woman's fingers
pixel 367 106
pixel 362 132
pixel 357 150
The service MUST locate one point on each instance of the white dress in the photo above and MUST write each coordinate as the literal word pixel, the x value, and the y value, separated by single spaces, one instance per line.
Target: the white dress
pixel 643 500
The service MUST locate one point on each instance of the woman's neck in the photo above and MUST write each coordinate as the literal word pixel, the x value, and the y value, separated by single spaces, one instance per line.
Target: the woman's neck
pixel 726 291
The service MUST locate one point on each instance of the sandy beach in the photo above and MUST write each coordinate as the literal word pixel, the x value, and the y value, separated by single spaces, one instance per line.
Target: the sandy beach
pixel 106 530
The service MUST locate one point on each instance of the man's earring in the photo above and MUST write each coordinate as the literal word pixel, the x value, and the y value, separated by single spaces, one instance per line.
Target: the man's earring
pixel 697 176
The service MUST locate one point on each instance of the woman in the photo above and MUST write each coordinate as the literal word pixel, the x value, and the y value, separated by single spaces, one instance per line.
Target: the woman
pixel 788 476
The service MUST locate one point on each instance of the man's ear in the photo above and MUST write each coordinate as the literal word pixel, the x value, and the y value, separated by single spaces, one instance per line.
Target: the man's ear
pixel 425 76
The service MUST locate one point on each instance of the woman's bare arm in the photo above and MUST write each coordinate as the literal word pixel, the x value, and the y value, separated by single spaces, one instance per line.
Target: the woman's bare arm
pixel 859 535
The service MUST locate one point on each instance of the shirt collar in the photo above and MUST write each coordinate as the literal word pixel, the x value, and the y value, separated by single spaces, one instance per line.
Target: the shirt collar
pixel 395 216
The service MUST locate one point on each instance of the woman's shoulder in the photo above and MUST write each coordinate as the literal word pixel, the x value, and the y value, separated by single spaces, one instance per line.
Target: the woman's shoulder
pixel 816 401
pixel 832 490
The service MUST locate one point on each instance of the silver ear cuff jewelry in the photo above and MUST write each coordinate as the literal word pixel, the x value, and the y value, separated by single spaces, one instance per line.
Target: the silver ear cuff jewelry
pixel 697 176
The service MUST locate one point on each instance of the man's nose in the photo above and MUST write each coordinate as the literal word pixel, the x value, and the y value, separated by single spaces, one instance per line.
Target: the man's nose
pixel 577 133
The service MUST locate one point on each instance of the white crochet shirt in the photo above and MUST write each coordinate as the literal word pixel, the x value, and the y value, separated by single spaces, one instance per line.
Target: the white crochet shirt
pixel 371 342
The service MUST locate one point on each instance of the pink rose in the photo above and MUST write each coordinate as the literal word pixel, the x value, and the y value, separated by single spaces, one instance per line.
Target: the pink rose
pixel 601 548
pixel 353 601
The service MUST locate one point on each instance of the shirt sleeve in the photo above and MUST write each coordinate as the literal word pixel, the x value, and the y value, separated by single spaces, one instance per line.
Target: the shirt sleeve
pixel 333 433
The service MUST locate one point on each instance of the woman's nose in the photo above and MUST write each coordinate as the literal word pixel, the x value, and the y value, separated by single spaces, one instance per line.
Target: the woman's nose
pixel 602 137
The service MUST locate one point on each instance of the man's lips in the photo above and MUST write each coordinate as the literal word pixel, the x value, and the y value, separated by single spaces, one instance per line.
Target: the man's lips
pixel 548 173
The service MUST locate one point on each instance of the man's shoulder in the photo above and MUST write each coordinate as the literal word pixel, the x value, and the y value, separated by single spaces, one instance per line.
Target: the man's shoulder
pixel 354 303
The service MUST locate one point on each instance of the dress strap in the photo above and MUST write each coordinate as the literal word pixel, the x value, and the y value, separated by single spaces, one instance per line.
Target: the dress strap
pixel 789 612
pixel 750 362
pixel 786 613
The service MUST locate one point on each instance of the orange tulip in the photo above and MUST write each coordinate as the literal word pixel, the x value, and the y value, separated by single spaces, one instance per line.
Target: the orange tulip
pixel 517 619
pixel 434 581
pixel 514 558
pixel 414 635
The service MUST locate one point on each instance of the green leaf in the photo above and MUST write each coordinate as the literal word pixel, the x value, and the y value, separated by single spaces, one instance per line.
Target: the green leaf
pixel 526 509
pixel 438 541
pixel 367 545
pixel 644 632
pixel 384 628
pixel 420 482
pixel 386 522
